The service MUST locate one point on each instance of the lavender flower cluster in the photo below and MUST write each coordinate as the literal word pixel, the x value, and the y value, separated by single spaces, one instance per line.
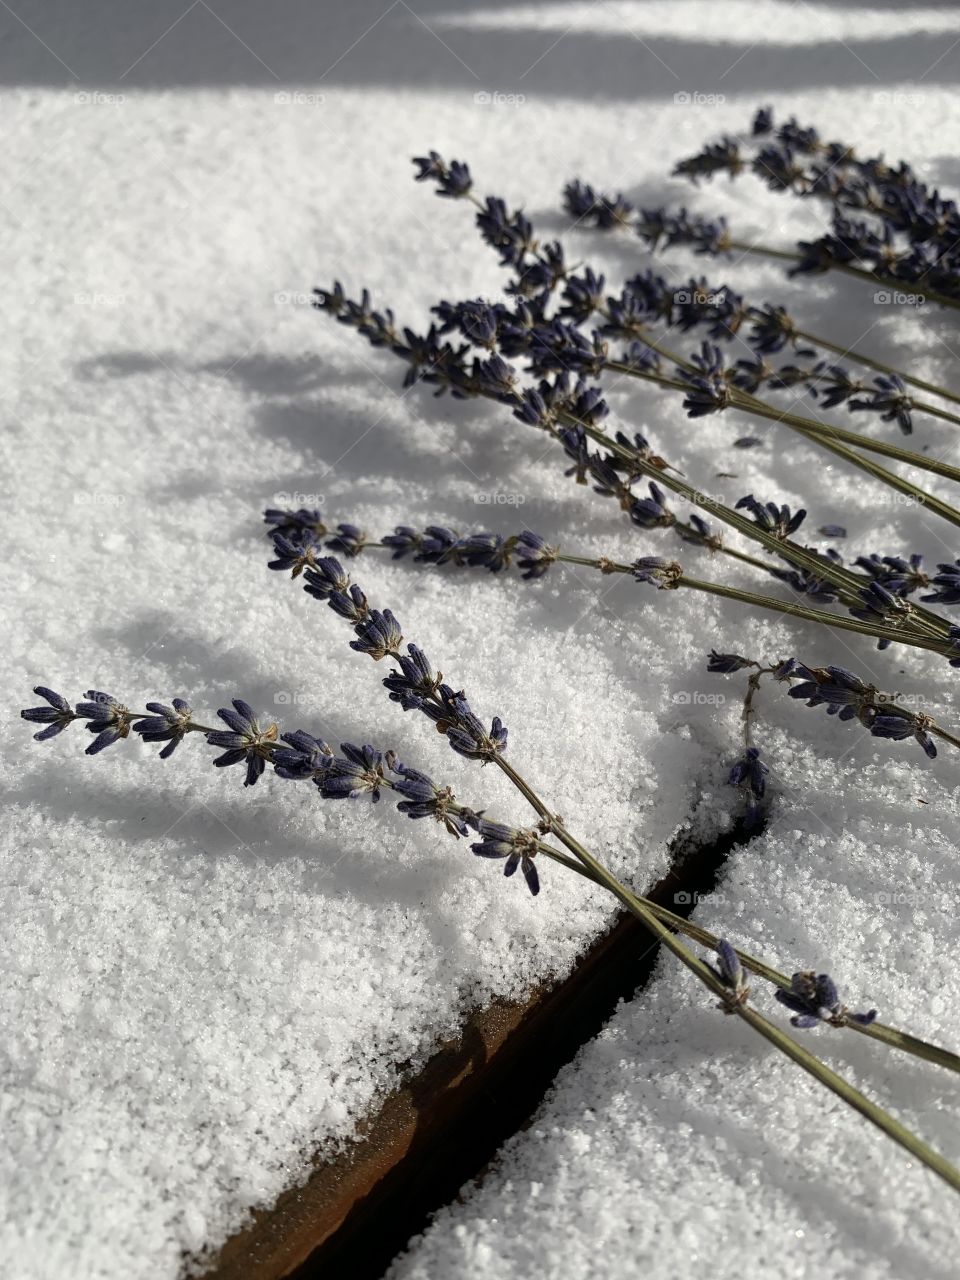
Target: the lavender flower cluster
pixel 884 218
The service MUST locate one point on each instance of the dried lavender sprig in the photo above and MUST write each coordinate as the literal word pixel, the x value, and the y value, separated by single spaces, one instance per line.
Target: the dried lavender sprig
pixel 584 296
pixel 495 379
pixel 534 556
pixel 710 386
pixel 658 227
pixel 737 1003
pixel 844 694
pixel 301 756
pixel 896 198
pixel 711 389
pixel 437 363
pixel 552 823
pixel 419 687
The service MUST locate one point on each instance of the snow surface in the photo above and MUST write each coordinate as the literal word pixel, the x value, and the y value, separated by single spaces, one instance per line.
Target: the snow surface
pixel 203 984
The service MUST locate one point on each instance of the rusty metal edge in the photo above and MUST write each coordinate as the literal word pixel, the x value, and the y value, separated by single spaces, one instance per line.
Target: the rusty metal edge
pixel 343 1195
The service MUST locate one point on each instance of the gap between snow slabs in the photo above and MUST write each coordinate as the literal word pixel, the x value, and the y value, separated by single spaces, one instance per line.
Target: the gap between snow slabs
pixel 442 1127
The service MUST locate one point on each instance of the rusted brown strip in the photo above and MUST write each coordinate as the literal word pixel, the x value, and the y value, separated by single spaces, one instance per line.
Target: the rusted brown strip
pixel 337 1217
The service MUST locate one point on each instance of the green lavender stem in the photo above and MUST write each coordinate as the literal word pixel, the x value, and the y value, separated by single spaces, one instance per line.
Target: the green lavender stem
pixel 849 353
pixel 847 582
pixel 808 1061
pixel 858 273
pixel 817 432
pixel 875 1030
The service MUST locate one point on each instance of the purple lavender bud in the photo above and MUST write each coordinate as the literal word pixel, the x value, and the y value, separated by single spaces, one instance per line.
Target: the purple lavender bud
pixel 166 724
pixel 379 635
pixel 534 556
pixel 519 848
pixel 245 742
pixel 726 663
pixel 56 716
pixel 105 717
pixel 663 574
pixel 452 180
pixel 358 772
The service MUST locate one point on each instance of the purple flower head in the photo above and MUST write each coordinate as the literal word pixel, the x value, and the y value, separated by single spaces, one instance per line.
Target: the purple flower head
pixel 652 512
pixel 901 577
pixel 56 716
pixel 451 180
pixel 809 582
pixel 663 574
pixel 834 385
pixel 105 717
pixel 729 971
pixel 244 740
pixel 582 296
pixel 726 663
pixel 422 798
pixel 349 540
pixel 534 556
pixel 899 727
pixel 414 682
pixel 305 757
pixel 880 607
pixel 749 773
pixel 351 604
pixel 358 772
pixel 297 551
pixel 326 577
pixel 484 550
pixel 890 399
pixel 294 524
pixel 947 584
pixel 467 735
pixel 813 998
pixel 583 203
pixel 166 724
pixel 379 634
pixel 439 545
pixel 716 157
pixel 519 848
pixel 779 521
pixel 772 329
pixel 509 233
pixel 403 541
pixel 708 386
